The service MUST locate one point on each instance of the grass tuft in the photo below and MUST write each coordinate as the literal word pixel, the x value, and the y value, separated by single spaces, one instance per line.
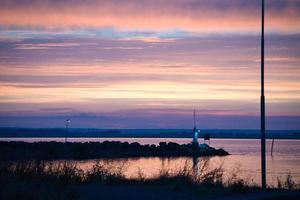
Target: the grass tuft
pixel 54 180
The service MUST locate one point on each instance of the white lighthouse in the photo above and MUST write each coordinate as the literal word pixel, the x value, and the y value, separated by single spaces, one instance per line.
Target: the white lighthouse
pixel 195 130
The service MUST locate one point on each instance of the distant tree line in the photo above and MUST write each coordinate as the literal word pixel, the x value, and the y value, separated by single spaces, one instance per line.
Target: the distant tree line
pixel 144 133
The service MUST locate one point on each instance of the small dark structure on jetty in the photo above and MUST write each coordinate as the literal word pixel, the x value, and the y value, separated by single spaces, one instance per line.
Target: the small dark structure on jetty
pixel 93 150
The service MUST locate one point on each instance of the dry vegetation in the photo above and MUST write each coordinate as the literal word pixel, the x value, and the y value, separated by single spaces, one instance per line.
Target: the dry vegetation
pixel 55 180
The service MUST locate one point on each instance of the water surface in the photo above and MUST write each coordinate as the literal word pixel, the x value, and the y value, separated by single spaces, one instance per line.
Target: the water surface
pixel 244 159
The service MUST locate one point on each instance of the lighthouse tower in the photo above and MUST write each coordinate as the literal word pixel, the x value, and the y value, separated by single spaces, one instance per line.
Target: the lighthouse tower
pixel 195 130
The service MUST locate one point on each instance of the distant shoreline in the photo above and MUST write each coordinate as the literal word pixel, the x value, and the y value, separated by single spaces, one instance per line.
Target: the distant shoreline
pixel 141 137
pixel 143 133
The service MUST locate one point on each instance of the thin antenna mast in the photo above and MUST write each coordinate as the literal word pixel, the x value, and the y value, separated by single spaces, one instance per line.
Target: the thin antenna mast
pixel 66 131
pixel 194 117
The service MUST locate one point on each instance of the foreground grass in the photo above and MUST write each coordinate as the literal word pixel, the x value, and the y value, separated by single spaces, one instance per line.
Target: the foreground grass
pixel 50 180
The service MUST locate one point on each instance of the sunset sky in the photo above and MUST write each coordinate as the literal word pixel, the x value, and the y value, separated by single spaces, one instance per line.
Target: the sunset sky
pixel 148 63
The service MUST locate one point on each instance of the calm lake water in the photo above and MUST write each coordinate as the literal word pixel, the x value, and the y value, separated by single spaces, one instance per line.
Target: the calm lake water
pixel 244 159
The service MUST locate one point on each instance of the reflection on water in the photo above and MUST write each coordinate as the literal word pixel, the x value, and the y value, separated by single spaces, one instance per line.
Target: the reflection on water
pixel 244 159
pixel 246 167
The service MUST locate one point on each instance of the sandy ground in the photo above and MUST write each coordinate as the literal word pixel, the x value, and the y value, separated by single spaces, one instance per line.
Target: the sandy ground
pixel 131 192
pixel 156 193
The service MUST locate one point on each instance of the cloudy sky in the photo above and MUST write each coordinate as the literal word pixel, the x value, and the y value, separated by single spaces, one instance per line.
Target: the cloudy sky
pixel 148 63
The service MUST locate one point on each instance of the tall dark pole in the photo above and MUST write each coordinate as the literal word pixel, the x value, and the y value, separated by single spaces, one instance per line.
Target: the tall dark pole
pixel 262 100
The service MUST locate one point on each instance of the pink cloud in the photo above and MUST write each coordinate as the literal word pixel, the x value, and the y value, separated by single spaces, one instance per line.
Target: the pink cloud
pixel 200 16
